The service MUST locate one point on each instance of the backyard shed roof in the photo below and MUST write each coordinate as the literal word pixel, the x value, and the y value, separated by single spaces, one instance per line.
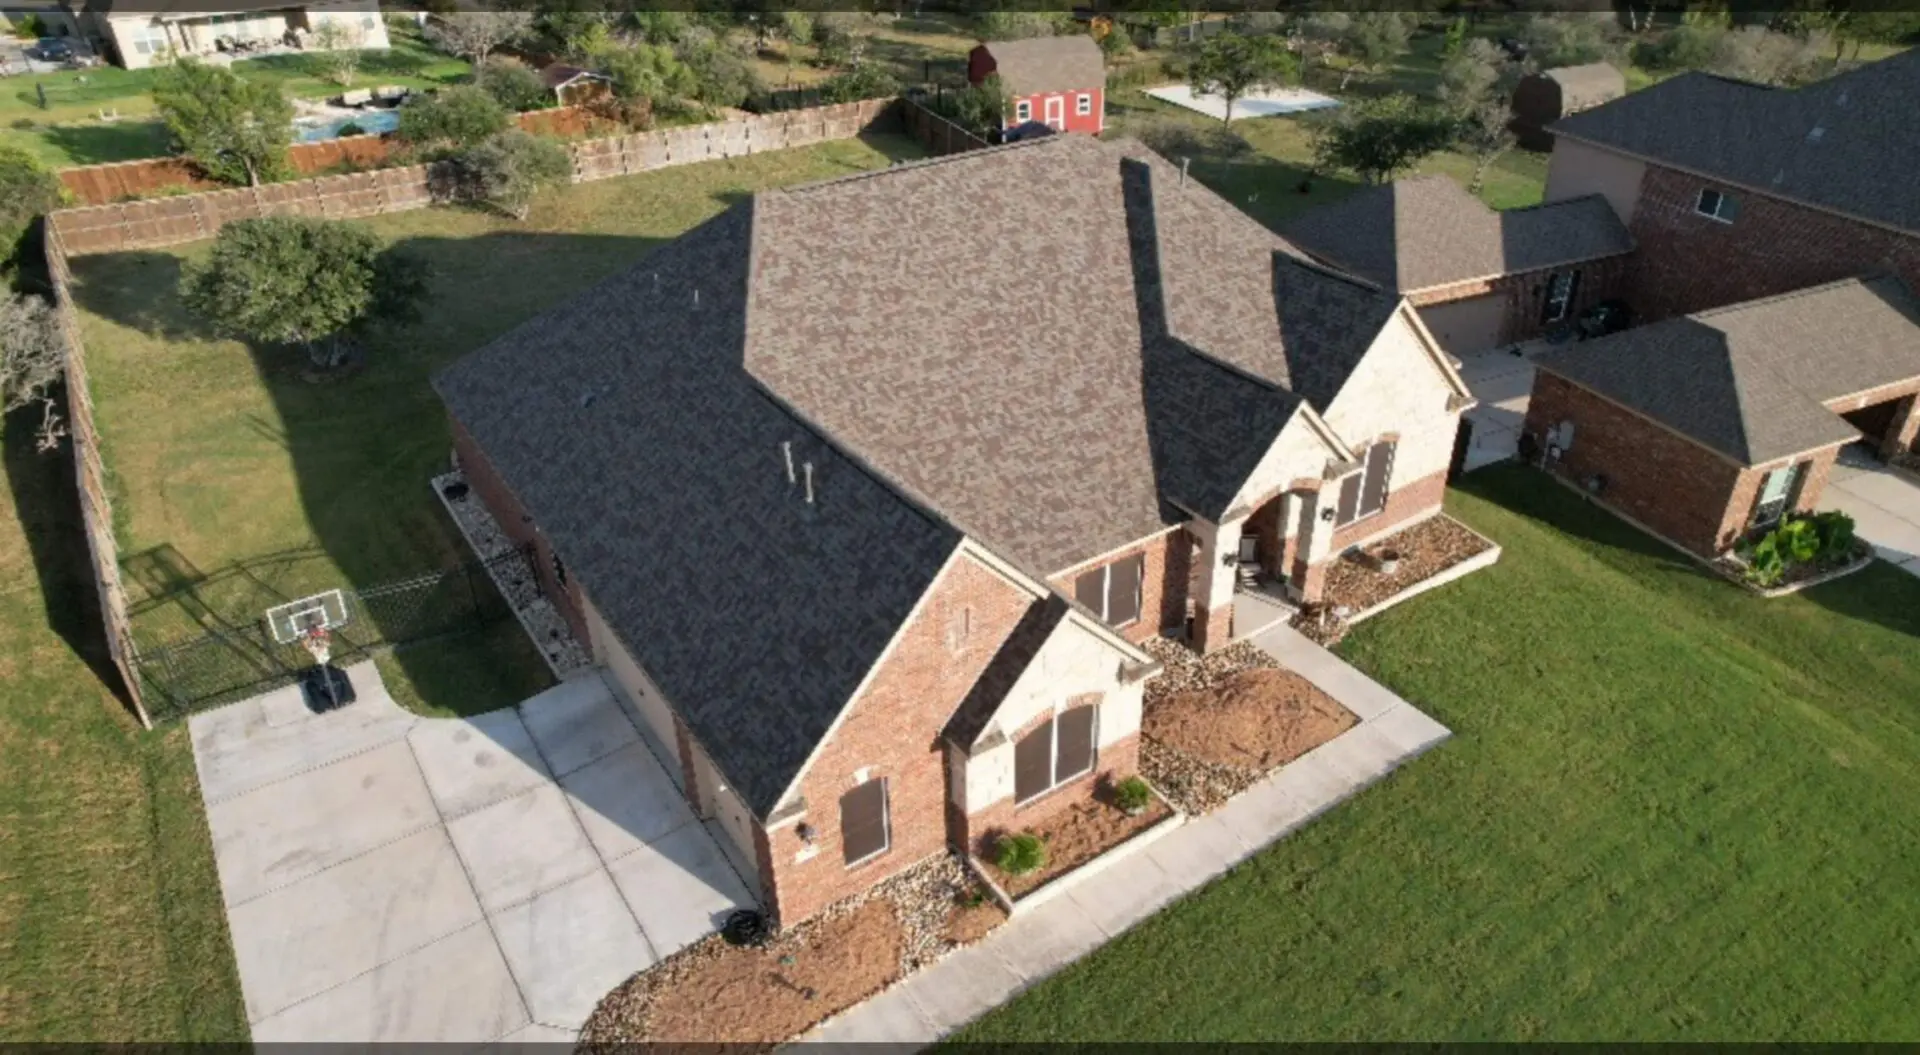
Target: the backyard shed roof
pixel 1417 234
pixel 1587 85
pixel 1048 64
pixel 1751 380
pixel 1850 143
pixel 935 387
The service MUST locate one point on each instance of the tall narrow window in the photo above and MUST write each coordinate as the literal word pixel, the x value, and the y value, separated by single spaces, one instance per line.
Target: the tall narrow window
pixel 1084 105
pixel 1112 591
pixel 1373 485
pixel 863 821
pixel 1776 493
pixel 1060 749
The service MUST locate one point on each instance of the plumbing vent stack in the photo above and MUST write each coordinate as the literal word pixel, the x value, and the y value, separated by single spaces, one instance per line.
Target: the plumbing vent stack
pixel 786 452
pixel 807 469
pixel 1184 162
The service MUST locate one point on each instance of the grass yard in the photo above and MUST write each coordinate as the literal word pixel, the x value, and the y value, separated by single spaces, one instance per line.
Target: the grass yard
pixel 1671 810
pixel 70 131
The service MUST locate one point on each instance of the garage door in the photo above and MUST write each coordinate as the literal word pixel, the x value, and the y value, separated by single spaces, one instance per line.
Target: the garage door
pixel 1464 327
pixel 639 694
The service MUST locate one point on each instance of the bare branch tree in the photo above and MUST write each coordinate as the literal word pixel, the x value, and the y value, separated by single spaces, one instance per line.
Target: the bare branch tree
pixel 473 35
pixel 31 362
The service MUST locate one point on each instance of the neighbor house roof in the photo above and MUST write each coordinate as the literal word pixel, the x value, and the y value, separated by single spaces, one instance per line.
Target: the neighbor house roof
pixel 1048 64
pixel 1850 143
pixel 1751 380
pixel 559 75
pixel 1587 85
pixel 1416 234
pixel 1036 345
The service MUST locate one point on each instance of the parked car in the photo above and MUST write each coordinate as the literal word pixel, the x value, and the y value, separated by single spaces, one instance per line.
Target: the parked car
pixel 52 49
pixel 1608 316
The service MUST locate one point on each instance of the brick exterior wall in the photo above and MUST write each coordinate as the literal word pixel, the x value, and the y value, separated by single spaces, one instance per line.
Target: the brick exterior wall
pixel 892 729
pixel 513 518
pixel 1407 502
pixel 1525 295
pixel 1686 262
pixel 978 832
pixel 1164 587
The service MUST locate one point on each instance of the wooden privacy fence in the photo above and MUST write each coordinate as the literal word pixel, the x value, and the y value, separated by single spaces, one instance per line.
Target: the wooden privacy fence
pixel 191 217
pixel 936 133
pixel 96 511
pixel 125 180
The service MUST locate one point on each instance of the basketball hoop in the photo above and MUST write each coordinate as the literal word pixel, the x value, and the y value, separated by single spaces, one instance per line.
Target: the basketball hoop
pixel 318 644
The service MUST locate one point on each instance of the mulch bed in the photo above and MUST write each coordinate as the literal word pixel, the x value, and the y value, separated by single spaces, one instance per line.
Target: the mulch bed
pixel 1426 549
pixel 712 992
pixel 1075 835
pixel 1214 726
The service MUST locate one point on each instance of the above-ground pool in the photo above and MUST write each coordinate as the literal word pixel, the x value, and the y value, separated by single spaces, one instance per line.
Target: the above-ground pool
pixel 1270 103
pixel 370 122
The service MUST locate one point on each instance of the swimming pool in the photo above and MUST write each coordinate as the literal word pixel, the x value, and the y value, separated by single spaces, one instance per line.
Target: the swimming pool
pixel 371 122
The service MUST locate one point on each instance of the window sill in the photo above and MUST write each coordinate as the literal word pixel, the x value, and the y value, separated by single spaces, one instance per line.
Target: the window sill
pixel 1021 804
pixel 867 860
pixel 1710 216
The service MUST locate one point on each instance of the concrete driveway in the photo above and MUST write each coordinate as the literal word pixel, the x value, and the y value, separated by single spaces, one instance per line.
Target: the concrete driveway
pixel 1884 504
pixel 395 878
pixel 1503 383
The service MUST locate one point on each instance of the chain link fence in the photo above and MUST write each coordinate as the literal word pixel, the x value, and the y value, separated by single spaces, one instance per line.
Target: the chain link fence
pixel 242 659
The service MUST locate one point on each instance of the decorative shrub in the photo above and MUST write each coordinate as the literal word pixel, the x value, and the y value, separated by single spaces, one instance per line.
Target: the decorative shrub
pixel 1020 854
pixel 1836 534
pixel 349 129
pixel 1132 795
pixel 1824 538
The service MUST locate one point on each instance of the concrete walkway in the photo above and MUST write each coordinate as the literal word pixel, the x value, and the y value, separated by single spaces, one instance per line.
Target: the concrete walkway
pixel 1503 383
pixel 1042 940
pixel 1884 505
pixel 394 878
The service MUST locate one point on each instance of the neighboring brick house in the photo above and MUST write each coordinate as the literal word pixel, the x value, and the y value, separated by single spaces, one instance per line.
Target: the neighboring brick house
pixel 867 519
pixel 1705 427
pixel 1480 278
pixel 1735 191
pixel 1060 82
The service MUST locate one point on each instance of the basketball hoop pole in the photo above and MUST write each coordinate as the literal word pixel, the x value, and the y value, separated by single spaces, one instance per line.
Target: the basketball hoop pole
pixel 318 645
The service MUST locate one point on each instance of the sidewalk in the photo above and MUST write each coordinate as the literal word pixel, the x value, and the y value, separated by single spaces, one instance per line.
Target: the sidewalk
pixel 1048 937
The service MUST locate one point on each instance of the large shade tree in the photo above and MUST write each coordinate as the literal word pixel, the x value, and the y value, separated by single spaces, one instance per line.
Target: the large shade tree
pixel 1380 138
pixel 235 129
pixel 1231 65
pixel 300 282
pixel 27 190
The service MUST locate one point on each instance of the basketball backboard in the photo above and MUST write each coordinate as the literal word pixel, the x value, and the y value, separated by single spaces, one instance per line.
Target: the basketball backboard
pixel 295 620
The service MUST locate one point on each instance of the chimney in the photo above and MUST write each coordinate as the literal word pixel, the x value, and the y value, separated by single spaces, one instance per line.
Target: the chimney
pixel 807 471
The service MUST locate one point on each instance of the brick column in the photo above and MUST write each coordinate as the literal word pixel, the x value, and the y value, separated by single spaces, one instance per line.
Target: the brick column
pixel 1319 546
pixel 1213 600
pixel 1904 430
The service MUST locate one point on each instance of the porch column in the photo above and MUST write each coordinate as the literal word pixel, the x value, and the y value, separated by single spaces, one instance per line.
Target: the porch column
pixel 1213 599
pixel 1905 428
pixel 1289 530
pixel 1315 541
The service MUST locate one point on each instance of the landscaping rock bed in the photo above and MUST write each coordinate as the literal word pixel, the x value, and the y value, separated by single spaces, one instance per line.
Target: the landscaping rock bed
pixel 1075 835
pixel 543 622
pixel 713 992
pixel 1357 582
pixel 1213 727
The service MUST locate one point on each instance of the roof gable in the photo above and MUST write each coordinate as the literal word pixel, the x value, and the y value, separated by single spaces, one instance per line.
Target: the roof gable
pixel 1048 64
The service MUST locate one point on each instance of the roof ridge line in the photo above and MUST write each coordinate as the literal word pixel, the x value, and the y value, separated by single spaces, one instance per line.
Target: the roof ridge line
pixel 917 163
pixel 1778 297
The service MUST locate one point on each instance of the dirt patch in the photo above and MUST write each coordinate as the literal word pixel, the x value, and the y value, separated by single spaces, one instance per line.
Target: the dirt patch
pixel 1255 720
pixel 1075 835
pixel 1190 781
pixel 969 922
pixel 720 993
pixel 1357 580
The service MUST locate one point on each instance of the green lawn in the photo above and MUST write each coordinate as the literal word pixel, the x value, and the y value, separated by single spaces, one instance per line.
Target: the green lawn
pixel 1670 810
pixel 72 130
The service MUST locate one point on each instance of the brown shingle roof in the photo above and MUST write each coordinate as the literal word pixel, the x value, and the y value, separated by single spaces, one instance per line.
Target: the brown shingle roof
pixel 1034 344
pixel 1416 234
pixel 1588 85
pixel 1750 380
pixel 1048 64
pixel 1850 143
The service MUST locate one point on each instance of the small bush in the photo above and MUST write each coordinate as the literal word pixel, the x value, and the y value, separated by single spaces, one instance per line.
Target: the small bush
pixel 349 129
pixel 512 83
pixel 1020 854
pixel 1824 538
pixel 1836 534
pixel 1132 795
pixel 461 116
pixel 510 169
pixel 864 81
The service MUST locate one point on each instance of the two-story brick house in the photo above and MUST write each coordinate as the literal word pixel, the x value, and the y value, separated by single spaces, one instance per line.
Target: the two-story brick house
pixel 1060 82
pixel 867 519
pixel 1736 191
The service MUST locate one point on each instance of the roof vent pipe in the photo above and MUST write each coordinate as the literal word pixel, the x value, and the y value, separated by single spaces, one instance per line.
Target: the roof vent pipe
pixel 786 451
pixel 1184 162
pixel 807 470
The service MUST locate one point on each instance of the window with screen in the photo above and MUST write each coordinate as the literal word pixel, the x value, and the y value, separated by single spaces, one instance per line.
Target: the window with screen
pixel 863 821
pixel 1112 591
pixel 1059 750
pixel 1023 111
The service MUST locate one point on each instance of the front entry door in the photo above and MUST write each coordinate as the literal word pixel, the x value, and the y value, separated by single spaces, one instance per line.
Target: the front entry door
pixel 1057 112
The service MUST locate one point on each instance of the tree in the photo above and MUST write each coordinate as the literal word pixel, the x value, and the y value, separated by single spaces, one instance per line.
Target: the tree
pixel 980 107
pixel 1377 138
pixel 1569 40
pixel 864 81
pixel 473 35
pixel 1687 46
pixel 1017 25
pixel 1476 86
pixel 454 117
pixel 1373 40
pixel 1757 54
pixel 1471 74
pixel 27 190
pixel 1456 38
pixel 721 75
pixel 512 83
pixel 648 75
pixel 31 361
pixel 1231 65
pixel 1485 133
pixel 339 57
pixel 235 129
pixel 1874 26
pixel 510 169
pixel 299 281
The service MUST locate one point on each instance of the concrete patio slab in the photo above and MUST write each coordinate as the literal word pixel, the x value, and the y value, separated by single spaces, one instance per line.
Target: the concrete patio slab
pixel 577 722
pixel 475 762
pixel 328 928
pixel 520 847
pixel 626 800
pixel 289 830
pixel 680 888
pixel 456 987
pixel 570 946
pixel 239 747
